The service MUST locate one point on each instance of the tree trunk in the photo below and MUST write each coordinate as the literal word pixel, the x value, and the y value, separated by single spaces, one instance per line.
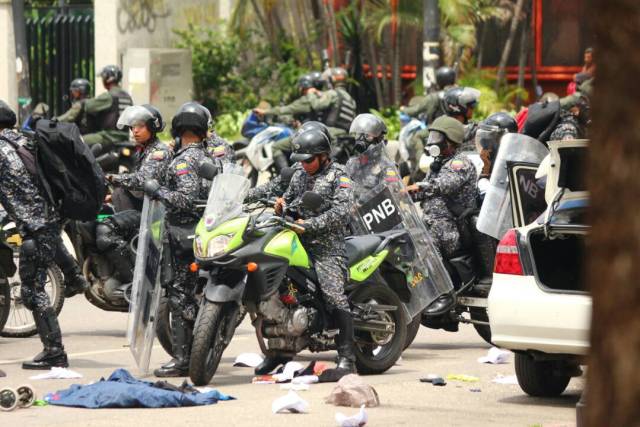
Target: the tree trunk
pixel 303 31
pixel 522 56
pixel 268 31
pixel 614 244
pixel 507 46
pixel 483 35
pixel 373 65
pixel 333 33
pixel 396 95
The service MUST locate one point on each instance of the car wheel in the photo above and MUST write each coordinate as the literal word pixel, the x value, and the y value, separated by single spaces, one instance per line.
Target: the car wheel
pixel 541 378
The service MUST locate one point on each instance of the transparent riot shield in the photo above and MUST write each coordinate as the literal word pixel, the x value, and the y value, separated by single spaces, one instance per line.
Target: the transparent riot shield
pixel 146 289
pixel 496 213
pixel 227 193
pixel 383 204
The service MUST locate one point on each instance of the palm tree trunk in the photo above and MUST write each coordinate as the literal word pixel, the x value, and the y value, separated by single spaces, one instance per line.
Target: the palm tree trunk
pixel 268 31
pixel 507 46
pixel 395 55
pixel 373 65
pixel 333 32
pixel 612 264
pixel 303 31
pixel 483 36
pixel 522 58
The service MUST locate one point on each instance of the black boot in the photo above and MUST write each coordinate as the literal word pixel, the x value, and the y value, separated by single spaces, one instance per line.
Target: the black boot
pixel 345 341
pixel 270 363
pixel 178 366
pixel 280 162
pixel 74 282
pixel 53 354
pixel 441 305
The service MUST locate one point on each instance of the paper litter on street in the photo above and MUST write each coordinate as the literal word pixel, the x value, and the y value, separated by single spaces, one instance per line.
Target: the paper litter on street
pixel 57 374
pixel 495 356
pixel 505 379
pixel 290 402
pixel 288 372
pixel 305 379
pixel 248 360
pixel 358 420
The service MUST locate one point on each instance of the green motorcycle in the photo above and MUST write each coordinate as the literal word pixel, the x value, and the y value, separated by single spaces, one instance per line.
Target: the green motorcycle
pixel 256 260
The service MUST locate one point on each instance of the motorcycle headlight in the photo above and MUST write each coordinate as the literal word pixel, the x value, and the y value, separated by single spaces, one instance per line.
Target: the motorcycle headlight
pixel 217 246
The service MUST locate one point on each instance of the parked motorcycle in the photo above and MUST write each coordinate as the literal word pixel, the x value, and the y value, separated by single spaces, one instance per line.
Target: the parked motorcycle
pixel 256 260
pixel 256 151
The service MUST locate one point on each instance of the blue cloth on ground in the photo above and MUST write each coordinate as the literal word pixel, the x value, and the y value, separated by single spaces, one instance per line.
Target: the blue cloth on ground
pixel 122 390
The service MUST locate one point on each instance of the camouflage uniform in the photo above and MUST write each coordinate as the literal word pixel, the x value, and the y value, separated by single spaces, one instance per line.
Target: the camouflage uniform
pixel 452 188
pixel 302 109
pixel 219 148
pixel 104 110
pixel 37 222
pixel 567 128
pixel 367 179
pixel 181 188
pixel 76 115
pixel 270 189
pixel 325 232
pixel 336 109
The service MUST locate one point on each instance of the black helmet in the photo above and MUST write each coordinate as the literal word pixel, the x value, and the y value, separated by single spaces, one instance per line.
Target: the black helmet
pixel 111 74
pixel 7 116
pixel 81 85
pixel 445 76
pixel 156 124
pixel 458 100
pixel 309 144
pixel 367 129
pixel 136 114
pixel 305 82
pixel 318 79
pixel 501 120
pixel 307 126
pixel 190 116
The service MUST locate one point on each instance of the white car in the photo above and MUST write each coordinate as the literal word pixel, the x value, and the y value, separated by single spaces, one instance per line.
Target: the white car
pixel 538 305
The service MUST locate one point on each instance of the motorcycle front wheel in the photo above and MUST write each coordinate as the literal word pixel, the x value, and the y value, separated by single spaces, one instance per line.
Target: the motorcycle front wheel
pixel 163 326
pixel 210 339
pixel 376 352
pixel 20 323
pixel 5 300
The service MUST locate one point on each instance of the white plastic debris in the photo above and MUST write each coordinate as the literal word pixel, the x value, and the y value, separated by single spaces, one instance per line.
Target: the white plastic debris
pixel 495 356
pixel 248 360
pixel 288 372
pixel 358 420
pixel 305 379
pixel 57 374
pixel 290 402
pixel 505 379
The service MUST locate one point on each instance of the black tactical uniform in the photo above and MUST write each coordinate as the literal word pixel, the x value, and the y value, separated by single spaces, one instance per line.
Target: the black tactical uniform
pixel 37 222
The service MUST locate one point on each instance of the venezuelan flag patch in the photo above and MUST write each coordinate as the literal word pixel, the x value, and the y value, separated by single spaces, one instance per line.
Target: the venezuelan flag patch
pixel 181 166
pixel 456 165
pixel 345 182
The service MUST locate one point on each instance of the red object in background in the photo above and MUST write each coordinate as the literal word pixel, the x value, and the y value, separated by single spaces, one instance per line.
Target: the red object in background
pixel 571 88
pixel 521 117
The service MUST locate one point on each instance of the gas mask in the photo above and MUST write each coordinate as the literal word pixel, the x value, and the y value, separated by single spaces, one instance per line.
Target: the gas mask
pixel 436 143
pixel 363 141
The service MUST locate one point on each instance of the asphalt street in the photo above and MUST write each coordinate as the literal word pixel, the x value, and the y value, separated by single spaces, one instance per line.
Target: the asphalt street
pixel 96 343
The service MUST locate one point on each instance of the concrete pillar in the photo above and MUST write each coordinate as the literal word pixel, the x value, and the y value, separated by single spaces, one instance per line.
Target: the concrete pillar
pixel 8 80
pixel 106 38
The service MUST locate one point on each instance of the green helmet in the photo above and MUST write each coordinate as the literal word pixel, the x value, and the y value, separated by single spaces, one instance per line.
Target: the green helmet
pixel 450 127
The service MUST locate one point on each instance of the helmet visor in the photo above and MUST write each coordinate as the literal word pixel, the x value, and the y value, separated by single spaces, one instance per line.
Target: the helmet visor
pixel 366 127
pixel 469 96
pixel 436 138
pixel 134 115
pixel 487 137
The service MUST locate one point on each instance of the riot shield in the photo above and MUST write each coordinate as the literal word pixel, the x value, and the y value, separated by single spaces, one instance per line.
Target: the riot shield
pixel 527 198
pixel 496 214
pixel 382 204
pixel 146 289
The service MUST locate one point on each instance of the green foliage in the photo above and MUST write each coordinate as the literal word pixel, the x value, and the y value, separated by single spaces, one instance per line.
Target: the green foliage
pixel 391 118
pixel 229 125
pixel 490 100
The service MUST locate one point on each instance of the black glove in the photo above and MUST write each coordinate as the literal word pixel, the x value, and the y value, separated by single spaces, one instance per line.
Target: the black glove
pixel 152 188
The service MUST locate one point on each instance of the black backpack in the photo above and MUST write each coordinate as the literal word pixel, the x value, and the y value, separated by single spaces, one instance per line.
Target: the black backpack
pixel 542 118
pixel 68 171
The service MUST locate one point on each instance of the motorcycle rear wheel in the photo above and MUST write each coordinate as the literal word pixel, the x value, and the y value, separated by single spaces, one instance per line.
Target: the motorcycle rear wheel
pixel 5 300
pixel 163 326
pixel 412 330
pixel 209 339
pixel 20 323
pixel 376 354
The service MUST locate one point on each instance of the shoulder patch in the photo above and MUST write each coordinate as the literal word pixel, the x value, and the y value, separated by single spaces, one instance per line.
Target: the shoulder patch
pixel 457 165
pixel 345 182
pixel 182 166
pixel 157 155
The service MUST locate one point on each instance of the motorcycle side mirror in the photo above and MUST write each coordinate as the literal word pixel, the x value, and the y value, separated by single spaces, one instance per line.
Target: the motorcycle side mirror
pixel 311 200
pixel 286 174
pixel 151 187
pixel 96 149
pixel 207 170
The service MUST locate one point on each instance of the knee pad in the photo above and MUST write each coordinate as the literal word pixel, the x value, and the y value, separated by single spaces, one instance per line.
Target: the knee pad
pixel 105 239
pixel 27 295
pixel 29 248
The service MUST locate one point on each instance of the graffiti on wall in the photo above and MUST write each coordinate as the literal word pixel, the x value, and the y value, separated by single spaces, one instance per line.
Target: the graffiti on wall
pixel 134 15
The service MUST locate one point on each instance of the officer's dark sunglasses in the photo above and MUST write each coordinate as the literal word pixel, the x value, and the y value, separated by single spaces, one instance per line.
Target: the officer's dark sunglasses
pixel 309 160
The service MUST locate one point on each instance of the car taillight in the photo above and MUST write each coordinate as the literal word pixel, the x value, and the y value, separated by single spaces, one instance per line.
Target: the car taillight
pixel 507 255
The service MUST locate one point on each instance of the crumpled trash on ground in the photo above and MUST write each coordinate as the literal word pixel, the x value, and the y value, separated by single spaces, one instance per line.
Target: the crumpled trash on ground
pixel 57 374
pixel 248 360
pixel 463 377
pixel 122 390
pixel 495 356
pixel 505 379
pixel 290 402
pixel 358 420
pixel 352 391
pixel 288 372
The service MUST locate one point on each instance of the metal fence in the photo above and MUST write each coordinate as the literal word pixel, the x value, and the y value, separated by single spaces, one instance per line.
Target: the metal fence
pixel 61 48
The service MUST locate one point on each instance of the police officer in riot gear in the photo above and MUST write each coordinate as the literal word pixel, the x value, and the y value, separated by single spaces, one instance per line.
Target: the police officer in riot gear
pixel 38 223
pixel 487 139
pixel 180 190
pixel 459 103
pixel 447 191
pixel 105 109
pixel 79 91
pixel 322 232
pixel 337 107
